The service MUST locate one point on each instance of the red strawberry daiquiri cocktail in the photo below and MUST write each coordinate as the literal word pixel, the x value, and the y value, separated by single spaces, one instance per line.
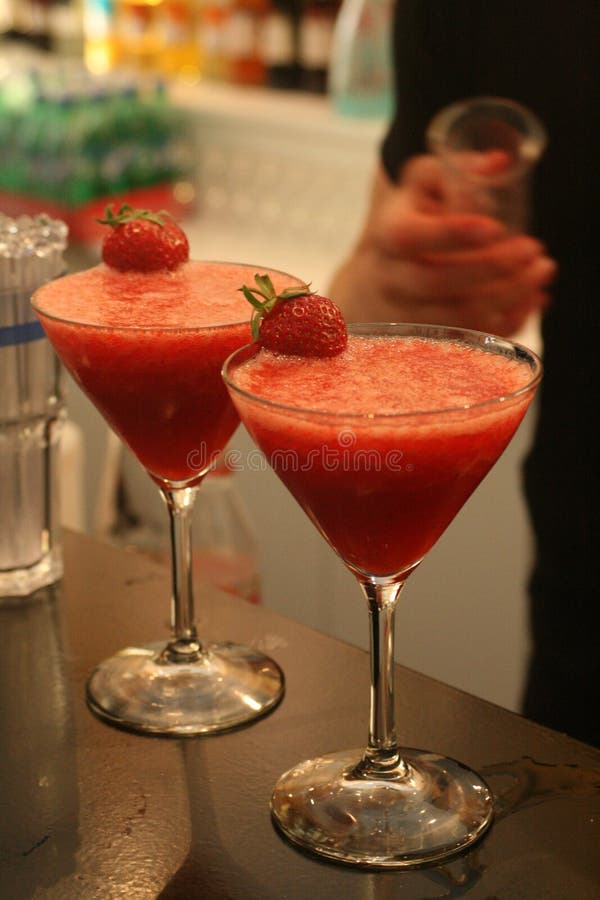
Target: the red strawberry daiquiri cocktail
pixel 147 348
pixel 381 445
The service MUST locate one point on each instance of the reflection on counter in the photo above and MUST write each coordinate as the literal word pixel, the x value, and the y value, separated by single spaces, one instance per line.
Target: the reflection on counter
pixel 38 775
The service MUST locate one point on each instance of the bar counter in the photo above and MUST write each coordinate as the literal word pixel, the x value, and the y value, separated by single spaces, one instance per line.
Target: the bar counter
pixel 91 812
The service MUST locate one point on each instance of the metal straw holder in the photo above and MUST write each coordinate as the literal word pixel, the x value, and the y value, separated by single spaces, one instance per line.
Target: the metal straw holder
pixel 31 408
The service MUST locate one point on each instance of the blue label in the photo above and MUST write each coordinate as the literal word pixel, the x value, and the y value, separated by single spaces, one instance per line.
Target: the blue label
pixel 11 335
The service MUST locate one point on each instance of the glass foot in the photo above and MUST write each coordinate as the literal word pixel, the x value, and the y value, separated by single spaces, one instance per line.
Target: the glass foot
pixel 21 582
pixel 432 810
pixel 226 686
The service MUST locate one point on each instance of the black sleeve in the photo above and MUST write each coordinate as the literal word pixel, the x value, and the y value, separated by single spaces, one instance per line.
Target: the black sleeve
pixel 434 50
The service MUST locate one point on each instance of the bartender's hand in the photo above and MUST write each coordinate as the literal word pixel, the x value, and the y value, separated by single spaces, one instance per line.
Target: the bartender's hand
pixel 417 262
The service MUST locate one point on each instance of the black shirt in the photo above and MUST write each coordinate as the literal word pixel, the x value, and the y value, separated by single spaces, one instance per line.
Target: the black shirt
pixel 542 55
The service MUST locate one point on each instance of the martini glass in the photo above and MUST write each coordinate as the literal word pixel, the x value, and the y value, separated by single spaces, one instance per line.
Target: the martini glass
pixel 382 485
pixel 159 387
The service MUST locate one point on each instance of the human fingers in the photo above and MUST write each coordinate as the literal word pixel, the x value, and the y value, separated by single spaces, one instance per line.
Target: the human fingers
pixel 484 307
pixel 512 320
pixel 422 174
pixel 411 234
pixel 467 268
pixel 476 274
pixel 486 163
pixel 489 319
pixel 528 282
pixel 431 183
pixel 504 306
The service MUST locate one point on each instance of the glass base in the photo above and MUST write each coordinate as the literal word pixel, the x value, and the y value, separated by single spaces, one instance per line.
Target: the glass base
pixel 431 809
pixel 21 582
pixel 228 685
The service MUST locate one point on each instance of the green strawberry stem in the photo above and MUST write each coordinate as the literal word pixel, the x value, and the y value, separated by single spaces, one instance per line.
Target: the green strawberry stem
pixel 127 213
pixel 266 289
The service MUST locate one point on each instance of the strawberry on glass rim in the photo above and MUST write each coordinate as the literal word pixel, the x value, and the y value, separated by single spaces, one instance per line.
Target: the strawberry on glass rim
pixel 295 322
pixel 141 240
pixel 147 347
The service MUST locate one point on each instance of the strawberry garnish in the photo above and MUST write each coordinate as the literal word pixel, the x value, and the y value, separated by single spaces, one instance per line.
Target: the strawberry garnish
pixel 295 322
pixel 143 241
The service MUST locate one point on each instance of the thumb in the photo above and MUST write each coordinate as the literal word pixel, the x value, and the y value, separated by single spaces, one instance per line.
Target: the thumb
pixel 423 179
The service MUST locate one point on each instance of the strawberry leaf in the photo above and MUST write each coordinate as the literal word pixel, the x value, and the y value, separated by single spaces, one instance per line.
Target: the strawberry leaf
pixel 299 291
pixel 266 287
pixel 255 325
pixel 257 304
pixel 127 213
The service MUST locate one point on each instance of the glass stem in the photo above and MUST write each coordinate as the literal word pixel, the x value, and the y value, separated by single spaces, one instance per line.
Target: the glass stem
pixel 184 646
pixel 382 758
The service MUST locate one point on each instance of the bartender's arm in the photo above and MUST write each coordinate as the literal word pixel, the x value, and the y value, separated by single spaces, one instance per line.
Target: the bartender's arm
pixel 416 262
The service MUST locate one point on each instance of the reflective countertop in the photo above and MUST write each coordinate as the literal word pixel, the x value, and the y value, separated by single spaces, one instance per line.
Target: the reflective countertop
pixel 89 811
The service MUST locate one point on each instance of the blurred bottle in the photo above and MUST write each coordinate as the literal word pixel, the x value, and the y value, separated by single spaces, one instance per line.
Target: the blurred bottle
pixel 164 150
pixel 280 44
pixel 138 33
pixel 29 21
pixel 66 28
pixel 213 31
pixel 24 140
pixel 246 61
pixel 118 136
pixel 5 17
pixel 60 170
pixel 180 52
pixel 99 38
pixel 96 136
pixel 225 549
pixel 9 116
pixel 71 137
pixel 315 39
pixel 360 82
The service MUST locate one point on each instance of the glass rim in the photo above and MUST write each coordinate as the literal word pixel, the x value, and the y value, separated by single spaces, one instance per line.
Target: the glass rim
pixel 171 329
pixel 534 134
pixel 484 340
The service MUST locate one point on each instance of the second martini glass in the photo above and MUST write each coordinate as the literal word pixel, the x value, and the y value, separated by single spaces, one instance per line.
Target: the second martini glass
pixel 157 383
pixel 381 446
